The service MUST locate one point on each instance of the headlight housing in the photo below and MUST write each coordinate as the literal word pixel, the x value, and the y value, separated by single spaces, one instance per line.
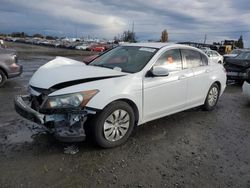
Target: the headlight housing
pixel 73 100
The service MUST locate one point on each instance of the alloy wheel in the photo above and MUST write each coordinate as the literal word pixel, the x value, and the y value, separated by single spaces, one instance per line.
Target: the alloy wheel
pixel 213 96
pixel 116 125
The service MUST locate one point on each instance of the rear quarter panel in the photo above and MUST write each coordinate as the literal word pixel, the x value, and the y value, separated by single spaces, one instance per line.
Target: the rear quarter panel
pixel 218 74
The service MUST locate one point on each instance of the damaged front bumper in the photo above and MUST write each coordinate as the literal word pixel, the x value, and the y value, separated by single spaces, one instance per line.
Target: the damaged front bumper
pixel 66 127
pixel 26 111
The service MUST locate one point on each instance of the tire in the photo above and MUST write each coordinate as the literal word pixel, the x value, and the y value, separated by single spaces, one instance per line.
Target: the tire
pixel 113 125
pixel 212 97
pixel 3 78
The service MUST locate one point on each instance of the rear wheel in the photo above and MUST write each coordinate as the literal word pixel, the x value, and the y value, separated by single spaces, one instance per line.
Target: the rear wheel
pixel 3 78
pixel 212 97
pixel 113 125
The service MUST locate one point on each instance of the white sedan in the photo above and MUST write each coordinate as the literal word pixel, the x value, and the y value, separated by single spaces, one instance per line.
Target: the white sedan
pixel 214 56
pixel 126 86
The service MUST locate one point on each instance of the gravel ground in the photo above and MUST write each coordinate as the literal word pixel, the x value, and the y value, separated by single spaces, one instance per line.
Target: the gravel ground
pixel 194 148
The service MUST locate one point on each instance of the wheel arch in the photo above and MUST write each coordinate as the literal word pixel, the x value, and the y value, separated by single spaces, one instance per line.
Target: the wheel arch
pixel 219 85
pixel 132 104
pixel 214 82
pixel 4 71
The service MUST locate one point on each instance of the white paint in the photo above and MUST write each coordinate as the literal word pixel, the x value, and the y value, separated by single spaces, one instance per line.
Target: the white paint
pixel 154 97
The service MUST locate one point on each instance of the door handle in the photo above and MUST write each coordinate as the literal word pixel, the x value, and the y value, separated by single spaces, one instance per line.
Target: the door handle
pixel 181 77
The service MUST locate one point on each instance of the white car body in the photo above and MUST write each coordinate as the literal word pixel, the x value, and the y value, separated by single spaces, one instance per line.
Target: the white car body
pixel 246 90
pixel 150 97
pixel 145 93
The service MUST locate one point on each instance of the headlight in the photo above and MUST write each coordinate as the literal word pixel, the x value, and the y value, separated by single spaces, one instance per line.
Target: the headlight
pixel 73 100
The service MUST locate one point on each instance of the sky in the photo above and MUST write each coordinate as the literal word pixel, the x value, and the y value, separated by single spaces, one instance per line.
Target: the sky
pixel 185 20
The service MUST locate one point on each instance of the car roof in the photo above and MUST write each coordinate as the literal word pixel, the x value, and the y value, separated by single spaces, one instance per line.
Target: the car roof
pixel 153 44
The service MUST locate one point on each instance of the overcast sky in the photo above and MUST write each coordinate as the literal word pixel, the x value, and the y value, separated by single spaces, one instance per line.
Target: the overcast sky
pixel 185 20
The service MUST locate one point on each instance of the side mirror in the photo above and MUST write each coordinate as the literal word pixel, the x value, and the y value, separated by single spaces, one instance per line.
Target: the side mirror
pixel 158 71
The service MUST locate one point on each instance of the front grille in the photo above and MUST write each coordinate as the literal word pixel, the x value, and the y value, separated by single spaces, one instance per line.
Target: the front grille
pixel 36 102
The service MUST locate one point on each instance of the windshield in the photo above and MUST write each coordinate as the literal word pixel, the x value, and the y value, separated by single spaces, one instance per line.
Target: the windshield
pixel 244 56
pixel 129 59
pixel 235 51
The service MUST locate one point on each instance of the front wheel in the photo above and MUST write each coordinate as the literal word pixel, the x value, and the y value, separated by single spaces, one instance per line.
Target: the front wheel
pixel 212 97
pixel 113 125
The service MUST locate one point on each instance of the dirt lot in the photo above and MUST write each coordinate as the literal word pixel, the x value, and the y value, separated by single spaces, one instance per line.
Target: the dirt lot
pixel 189 149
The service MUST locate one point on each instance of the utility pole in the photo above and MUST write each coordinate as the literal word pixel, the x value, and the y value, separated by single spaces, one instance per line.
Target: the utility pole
pixel 205 39
pixel 133 27
pixel 75 31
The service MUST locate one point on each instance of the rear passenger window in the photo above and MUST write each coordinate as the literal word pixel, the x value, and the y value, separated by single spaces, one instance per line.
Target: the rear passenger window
pixel 170 59
pixel 204 60
pixel 192 58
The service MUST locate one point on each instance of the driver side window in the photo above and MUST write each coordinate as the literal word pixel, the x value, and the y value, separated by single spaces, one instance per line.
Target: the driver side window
pixel 171 60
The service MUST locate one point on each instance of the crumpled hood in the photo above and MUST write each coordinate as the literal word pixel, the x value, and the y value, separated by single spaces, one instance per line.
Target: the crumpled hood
pixel 66 71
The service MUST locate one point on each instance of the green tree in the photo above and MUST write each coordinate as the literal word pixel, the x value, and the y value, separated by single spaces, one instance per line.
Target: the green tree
pixel 18 34
pixel 37 35
pixel 240 43
pixel 129 36
pixel 164 36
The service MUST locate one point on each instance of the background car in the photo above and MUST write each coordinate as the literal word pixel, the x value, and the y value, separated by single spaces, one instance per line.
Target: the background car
pixel 214 56
pixel 82 47
pixel 9 66
pixel 233 53
pixel 98 48
pixel 238 68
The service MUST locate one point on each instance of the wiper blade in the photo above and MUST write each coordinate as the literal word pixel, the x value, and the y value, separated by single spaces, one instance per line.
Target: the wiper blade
pixel 101 65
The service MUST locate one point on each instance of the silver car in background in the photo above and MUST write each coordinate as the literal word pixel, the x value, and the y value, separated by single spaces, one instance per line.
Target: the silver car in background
pixel 9 66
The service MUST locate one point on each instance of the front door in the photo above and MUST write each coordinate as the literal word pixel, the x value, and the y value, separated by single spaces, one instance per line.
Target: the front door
pixel 167 94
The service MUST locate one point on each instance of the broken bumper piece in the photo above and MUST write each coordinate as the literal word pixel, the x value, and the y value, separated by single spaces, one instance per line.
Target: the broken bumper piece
pixel 66 127
pixel 26 111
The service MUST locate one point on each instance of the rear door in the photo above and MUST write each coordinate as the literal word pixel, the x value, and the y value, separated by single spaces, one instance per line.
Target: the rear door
pixel 198 85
